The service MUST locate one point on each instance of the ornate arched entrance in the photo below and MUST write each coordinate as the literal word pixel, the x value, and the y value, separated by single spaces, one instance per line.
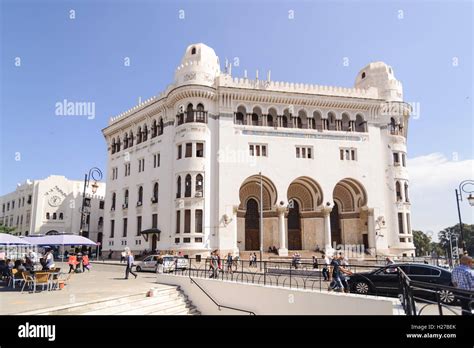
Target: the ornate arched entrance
pixel 253 190
pixel 305 198
pixel 252 225
pixel 347 223
pixel 294 227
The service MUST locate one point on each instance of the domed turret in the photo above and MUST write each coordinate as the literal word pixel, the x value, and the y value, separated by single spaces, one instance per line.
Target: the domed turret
pixel 200 65
pixel 380 76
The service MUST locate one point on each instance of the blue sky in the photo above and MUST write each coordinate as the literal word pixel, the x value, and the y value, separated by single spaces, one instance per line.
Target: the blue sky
pixel 83 60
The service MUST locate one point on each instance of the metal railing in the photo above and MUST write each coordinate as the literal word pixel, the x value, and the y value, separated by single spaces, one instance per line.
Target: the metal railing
pixel 219 306
pixel 301 275
pixel 416 297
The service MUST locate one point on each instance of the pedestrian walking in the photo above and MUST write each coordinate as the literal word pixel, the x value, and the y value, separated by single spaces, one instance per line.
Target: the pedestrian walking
pixel 229 263
pixel 123 256
pixel 130 264
pixel 462 278
pixel 72 262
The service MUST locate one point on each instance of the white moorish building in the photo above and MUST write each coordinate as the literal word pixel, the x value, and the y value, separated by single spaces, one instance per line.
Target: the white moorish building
pixel 53 205
pixel 184 166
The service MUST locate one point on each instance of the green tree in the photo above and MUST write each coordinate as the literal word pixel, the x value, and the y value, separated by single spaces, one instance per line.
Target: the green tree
pixel 422 243
pixel 468 234
pixel 6 229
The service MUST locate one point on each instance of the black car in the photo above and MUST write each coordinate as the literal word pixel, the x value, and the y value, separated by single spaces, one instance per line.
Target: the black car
pixel 384 281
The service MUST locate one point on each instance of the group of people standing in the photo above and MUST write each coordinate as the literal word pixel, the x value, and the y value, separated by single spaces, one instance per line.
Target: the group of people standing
pixel 78 262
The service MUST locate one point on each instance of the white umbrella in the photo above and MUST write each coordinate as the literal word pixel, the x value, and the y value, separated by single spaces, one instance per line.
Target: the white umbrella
pixel 9 239
pixel 60 239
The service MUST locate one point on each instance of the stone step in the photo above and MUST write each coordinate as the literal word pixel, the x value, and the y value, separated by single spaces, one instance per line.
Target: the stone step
pixel 130 306
pixel 159 308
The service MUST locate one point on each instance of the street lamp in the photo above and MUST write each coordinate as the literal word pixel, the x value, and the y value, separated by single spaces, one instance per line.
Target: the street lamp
pixel 470 199
pixel 96 175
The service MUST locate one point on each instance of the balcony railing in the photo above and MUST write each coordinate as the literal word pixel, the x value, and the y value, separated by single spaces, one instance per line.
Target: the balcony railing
pixel 191 117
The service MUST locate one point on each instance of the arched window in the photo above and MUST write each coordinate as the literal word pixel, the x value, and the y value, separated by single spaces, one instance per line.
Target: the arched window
pixel 187 186
pixel 239 118
pixel 139 135
pixel 160 128
pixel 406 193
pixel 254 119
pixel 299 122
pixel 145 132
pixel 360 124
pixel 125 141
pixel 284 121
pixel 331 121
pixel 200 113
pixel 130 139
pixel 140 195
pixel 125 199
pixel 118 144
pixel 272 117
pixel 155 193
pixel 199 185
pixel 114 196
pixel 346 123
pixel 47 216
pixel 398 190
pixel 178 188
pixel 190 113
pixel 193 50
pixel 61 216
pixel 54 216
pixel 154 128
pixel 240 115
pixel 113 146
pixel 363 75
pixel 318 120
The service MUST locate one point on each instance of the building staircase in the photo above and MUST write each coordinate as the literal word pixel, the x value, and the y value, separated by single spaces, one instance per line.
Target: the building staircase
pixel 165 300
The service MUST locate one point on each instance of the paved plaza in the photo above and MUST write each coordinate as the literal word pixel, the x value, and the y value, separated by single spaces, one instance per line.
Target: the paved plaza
pixel 103 281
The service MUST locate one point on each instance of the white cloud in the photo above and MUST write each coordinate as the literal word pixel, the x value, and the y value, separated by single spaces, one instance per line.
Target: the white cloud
pixel 433 179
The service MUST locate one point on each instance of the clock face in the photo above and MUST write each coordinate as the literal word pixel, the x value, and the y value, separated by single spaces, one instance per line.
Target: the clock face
pixel 54 201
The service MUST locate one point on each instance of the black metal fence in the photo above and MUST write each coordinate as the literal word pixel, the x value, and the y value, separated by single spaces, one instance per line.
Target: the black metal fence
pixel 418 297
pixel 297 275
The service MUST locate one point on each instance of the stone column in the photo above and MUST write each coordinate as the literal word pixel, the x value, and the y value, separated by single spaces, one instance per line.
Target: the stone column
pixel 327 230
pixel 371 231
pixel 283 250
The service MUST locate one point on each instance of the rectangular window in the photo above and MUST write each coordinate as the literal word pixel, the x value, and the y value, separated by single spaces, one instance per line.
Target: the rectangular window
pixel 125 221
pixel 101 204
pixel 186 240
pixel 304 152
pixel 187 221
pixel 178 221
pixel 198 240
pixel 198 220
pixel 402 240
pixel 156 160
pixel 154 221
pixel 176 240
pixel 13 204
pixel 408 223
pixel 258 150
pixel 400 223
pixel 199 150
pixel 189 150
pixel 179 151
pixel 348 154
pixel 139 225
pixel 141 165
pixel 3 208
pixel 29 199
pixel 112 228
pixel 396 159
pixel 404 160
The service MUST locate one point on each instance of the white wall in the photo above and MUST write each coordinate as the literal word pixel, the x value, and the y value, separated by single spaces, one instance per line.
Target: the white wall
pixel 267 300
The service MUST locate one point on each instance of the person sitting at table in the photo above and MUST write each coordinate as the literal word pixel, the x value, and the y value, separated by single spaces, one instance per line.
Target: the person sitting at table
pixel 49 260
pixel 19 266
pixel 72 261
pixel 29 264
